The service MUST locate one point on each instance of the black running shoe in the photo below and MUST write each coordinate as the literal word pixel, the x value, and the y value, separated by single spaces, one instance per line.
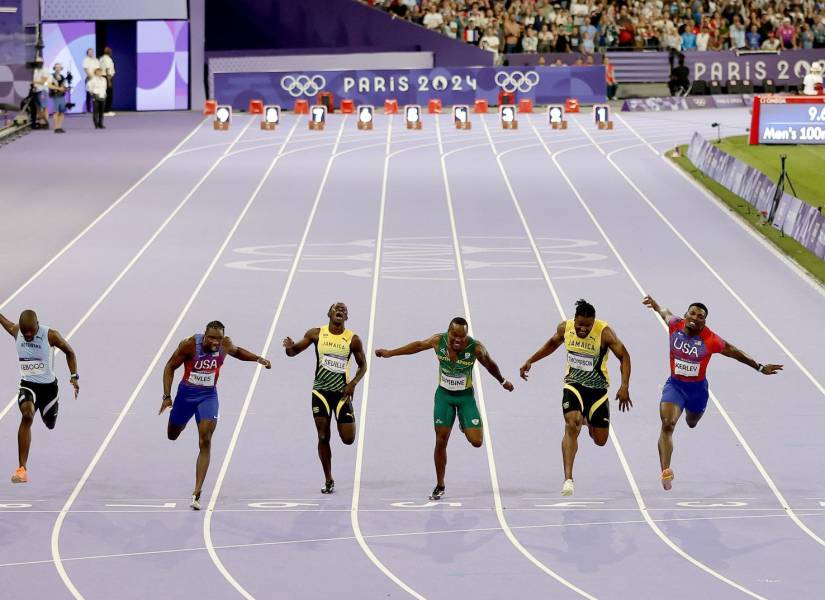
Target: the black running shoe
pixel 329 487
pixel 438 493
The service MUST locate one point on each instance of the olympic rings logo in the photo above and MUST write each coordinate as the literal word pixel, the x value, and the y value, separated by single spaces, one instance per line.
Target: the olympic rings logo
pixel 516 80
pixel 303 85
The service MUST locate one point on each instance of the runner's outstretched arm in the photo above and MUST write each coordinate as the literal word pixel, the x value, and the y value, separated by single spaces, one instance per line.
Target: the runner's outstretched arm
pixel 732 351
pixel 244 354
pixel 663 312
pixel 546 349
pixel 10 327
pixel 293 348
pixel 430 343
pixel 485 359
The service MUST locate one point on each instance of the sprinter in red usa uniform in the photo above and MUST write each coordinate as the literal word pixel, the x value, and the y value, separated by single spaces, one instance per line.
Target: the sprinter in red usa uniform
pixel 686 390
pixel 202 356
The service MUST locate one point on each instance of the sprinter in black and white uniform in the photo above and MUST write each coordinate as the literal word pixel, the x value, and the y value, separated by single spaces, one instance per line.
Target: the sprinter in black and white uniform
pixel 38 384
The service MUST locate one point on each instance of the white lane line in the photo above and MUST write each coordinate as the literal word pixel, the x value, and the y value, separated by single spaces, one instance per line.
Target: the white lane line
pixel 100 217
pixel 488 441
pixel 135 258
pixel 613 436
pixel 739 436
pixel 387 535
pixel 233 442
pixel 362 416
pixel 815 284
pixel 55 537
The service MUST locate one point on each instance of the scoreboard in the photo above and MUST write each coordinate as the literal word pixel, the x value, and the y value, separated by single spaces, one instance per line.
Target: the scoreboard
pixel 788 120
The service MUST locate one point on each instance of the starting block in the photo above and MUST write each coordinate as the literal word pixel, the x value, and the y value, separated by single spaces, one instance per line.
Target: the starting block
pixel 481 107
pixel 571 105
pixel 347 107
pixel 209 107
pixel 412 116
pixel 434 106
pixel 301 107
pixel 556 117
pixel 507 112
pixel 461 116
pixel 601 114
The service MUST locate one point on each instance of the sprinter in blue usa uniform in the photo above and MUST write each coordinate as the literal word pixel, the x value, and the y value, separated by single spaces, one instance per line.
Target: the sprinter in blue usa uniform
pixel 202 356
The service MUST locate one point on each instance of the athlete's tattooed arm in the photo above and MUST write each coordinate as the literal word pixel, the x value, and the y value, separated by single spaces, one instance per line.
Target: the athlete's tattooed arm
pixel 431 343
pixel 485 359
pixel 184 351
pixel 546 349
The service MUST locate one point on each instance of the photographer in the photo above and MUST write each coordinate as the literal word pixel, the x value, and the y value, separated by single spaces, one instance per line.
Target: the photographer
pixel 40 81
pixel 107 64
pixel 58 85
pixel 96 88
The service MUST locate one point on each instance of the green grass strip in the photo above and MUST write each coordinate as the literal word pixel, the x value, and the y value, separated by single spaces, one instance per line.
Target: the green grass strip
pixel 789 246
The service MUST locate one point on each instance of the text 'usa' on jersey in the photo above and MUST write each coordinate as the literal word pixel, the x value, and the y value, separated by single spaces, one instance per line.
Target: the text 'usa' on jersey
pixel 690 355
pixel 203 370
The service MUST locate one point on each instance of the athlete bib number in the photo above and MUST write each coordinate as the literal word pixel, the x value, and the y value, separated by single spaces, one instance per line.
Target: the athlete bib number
pixel 202 379
pixel 453 383
pixel 336 364
pixel 685 368
pixel 581 362
pixel 32 368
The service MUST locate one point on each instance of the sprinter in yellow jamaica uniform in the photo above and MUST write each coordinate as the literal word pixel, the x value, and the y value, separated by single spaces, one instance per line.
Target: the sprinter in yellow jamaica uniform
pixel 332 389
pixel 586 381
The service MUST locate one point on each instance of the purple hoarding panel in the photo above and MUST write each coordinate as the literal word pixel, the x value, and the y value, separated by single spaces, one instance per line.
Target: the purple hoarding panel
pixel 459 85
pixel 784 68
pixel 816 230
pixel 162 65
pixel 793 216
pixel 66 43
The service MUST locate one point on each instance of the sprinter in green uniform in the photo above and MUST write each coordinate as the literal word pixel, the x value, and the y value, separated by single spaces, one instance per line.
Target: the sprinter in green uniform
pixel 585 398
pixel 457 353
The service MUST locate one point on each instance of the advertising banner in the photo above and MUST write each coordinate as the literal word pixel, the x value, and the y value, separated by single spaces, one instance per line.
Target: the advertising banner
pixel 452 85
pixel 785 68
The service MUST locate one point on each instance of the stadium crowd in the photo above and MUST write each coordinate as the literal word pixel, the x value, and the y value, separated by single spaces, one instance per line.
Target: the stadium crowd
pixel 540 26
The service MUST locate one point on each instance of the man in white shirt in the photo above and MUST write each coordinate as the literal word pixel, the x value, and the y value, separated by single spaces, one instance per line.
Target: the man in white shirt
pixel 40 82
pixel 529 43
pixel 490 41
pixel 811 80
pixel 96 87
pixel 107 65
pixel 433 20
pixel 90 63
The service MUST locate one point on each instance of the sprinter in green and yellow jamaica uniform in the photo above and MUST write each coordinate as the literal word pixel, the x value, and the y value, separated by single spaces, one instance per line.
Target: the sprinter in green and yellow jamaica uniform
pixel 457 353
pixel 585 398
pixel 332 389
